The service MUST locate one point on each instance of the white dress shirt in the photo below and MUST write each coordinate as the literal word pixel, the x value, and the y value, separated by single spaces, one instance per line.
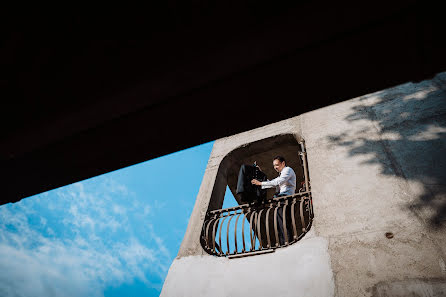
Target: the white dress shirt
pixel 285 182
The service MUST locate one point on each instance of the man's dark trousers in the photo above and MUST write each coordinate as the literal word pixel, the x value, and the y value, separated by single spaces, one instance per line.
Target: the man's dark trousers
pixel 280 221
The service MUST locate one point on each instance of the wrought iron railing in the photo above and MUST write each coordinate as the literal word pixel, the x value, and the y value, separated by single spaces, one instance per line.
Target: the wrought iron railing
pixel 262 218
pixel 262 221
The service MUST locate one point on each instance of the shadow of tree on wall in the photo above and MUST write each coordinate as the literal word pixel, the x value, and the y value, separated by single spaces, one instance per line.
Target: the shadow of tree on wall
pixel 405 135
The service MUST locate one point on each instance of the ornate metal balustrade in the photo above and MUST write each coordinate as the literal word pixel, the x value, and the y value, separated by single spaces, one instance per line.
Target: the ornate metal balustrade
pixel 262 221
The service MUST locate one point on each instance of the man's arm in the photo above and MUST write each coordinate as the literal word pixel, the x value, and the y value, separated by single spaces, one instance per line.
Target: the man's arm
pixel 284 176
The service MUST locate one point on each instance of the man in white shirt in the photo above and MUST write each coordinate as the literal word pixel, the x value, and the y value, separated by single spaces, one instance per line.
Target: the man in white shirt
pixel 285 184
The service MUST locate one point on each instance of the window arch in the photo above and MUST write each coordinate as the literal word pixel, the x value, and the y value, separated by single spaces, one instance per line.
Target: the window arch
pixel 252 228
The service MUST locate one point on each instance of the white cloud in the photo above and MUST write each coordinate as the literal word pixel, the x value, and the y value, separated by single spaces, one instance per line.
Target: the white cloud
pixel 87 261
pixel 147 210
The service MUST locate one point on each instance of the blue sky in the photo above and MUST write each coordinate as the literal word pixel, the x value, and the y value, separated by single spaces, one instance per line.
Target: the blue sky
pixel 112 235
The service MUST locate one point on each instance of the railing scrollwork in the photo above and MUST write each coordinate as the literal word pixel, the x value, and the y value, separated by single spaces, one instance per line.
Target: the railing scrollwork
pixel 296 220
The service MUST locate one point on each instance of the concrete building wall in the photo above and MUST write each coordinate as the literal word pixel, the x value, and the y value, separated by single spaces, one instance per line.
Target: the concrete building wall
pixel 377 165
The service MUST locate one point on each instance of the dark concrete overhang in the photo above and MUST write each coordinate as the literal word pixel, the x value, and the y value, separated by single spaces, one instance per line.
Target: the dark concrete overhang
pixel 85 95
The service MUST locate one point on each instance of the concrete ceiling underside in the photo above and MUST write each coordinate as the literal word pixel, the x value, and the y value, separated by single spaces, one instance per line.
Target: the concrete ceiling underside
pixel 87 94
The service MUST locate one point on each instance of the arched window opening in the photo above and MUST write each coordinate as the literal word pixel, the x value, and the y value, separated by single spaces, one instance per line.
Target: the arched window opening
pixel 254 228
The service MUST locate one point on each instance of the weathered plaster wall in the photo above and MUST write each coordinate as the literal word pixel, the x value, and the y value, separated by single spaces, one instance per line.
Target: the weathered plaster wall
pixel 377 164
pixel 277 274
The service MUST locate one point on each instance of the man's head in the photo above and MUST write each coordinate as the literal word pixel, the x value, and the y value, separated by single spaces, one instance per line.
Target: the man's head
pixel 279 163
